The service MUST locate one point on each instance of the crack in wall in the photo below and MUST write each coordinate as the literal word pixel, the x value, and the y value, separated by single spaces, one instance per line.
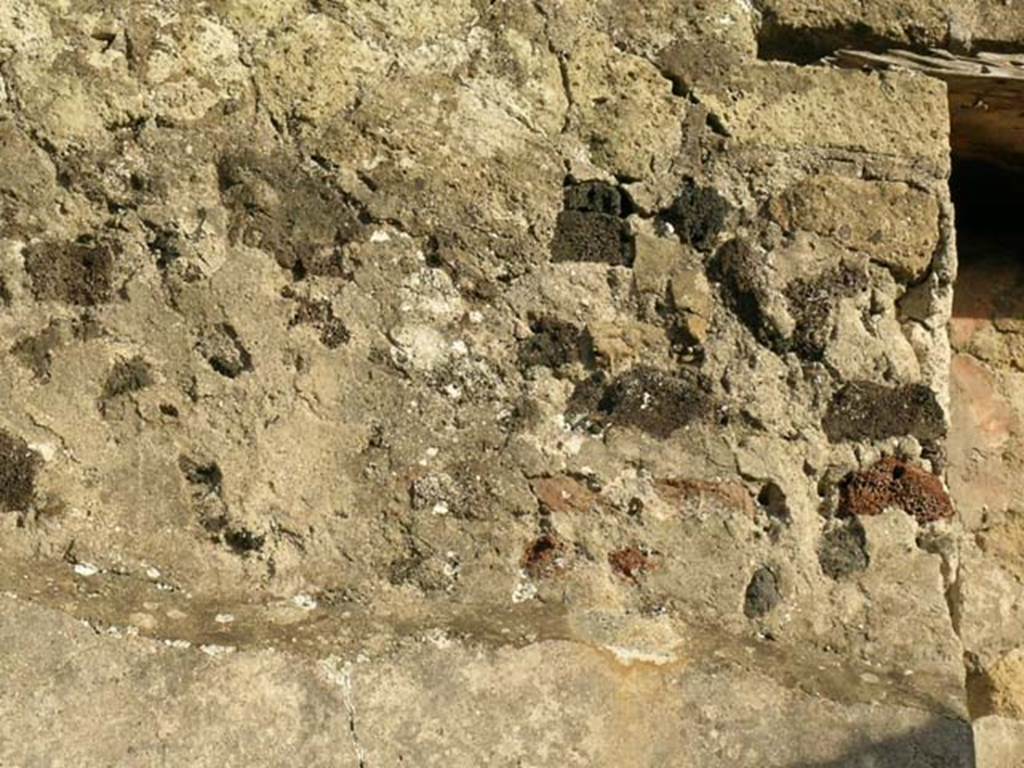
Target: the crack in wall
pixel 340 674
pixel 563 66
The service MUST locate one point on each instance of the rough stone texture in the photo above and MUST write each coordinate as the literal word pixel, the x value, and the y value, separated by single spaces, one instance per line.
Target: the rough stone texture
pixel 762 593
pixel 377 373
pixel 875 113
pixel 649 400
pixel 992 135
pixel 671 279
pixel 1000 742
pixel 848 211
pixel 998 688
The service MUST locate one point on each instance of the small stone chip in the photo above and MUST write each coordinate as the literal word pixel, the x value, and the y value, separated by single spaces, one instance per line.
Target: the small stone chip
pixel 86 569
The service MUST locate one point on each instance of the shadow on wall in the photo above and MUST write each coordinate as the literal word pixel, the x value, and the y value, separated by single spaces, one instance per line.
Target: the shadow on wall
pixel 943 743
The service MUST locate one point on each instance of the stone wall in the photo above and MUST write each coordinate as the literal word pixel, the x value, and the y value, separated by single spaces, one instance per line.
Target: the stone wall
pixel 515 383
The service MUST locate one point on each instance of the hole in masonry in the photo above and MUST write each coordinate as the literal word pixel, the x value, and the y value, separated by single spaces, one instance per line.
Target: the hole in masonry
pixel 987 326
pixel 987 337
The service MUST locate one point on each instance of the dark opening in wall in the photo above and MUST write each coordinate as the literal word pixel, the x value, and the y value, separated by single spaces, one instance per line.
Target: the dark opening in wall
pixel 985 93
pixel 986 112
pixel 986 333
pixel 987 197
pixel 986 330
pixel 985 445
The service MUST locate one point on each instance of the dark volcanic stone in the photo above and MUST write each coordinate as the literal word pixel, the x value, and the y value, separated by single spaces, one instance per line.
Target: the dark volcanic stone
pixel 224 351
pixel 744 287
pixel 812 304
pixel 320 315
pixel 864 410
pixel 275 205
pixel 762 593
pixel 36 352
pixel 698 214
pixel 555 343
pixel 843 550
pixel 75 273
pixel 544 556
pixel 595 197
pixel 648 399
pixel 18 466
pixel 592 237
pixel 127 376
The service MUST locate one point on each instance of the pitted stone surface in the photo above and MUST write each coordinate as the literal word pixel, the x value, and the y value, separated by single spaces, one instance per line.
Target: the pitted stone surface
pixel 380 372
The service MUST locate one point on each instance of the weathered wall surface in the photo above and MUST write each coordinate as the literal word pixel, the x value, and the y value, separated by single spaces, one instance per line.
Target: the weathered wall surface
pixel 489 383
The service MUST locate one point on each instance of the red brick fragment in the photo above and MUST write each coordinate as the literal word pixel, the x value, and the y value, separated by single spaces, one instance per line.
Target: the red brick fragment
pixel 630 563
pixel 895 483
pixel 544 556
